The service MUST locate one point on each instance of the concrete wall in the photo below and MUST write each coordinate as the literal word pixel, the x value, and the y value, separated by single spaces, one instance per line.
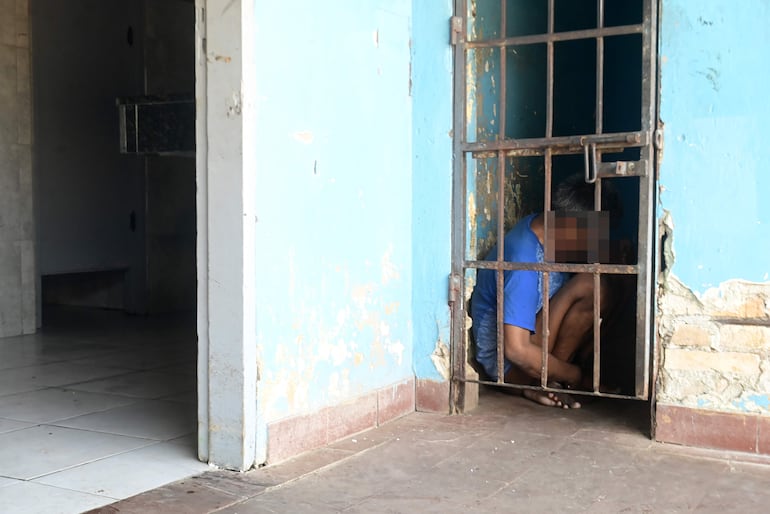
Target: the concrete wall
pixel 17 240
pixel 334 193
pixel 351 274
pixel 714 300
pixel 86 190
pixel 431 91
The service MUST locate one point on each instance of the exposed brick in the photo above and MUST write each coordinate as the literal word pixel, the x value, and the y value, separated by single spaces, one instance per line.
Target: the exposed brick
pixel 744 337
pixel 724 362
pixel 395 401
pixel 691 335
pixel 693 427
pixel 737 299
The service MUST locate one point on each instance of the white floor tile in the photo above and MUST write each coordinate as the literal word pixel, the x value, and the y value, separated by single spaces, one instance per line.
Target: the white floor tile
pixel 190 398
pixel 9 425
pixel 31 378
pixel 130 473
pixel 141 384
pixel 189 440
pixel 32 498
pixel 151 419
pixel 47 405
pixel 40 450
pixel 8 481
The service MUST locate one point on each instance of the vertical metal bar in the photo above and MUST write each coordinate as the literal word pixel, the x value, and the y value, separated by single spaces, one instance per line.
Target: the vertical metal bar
pixel 500 258
pixel 459 211
pixel 599 68
pixel 502 113
pixel 546 329
pixel 646 199
pixel 597 302
pixel 597 331
pixel 549 74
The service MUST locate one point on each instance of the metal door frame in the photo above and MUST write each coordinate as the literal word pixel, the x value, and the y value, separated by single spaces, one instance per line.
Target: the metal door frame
pixel 647 139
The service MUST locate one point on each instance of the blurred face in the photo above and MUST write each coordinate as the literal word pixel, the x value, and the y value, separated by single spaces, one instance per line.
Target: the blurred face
pixel 578 237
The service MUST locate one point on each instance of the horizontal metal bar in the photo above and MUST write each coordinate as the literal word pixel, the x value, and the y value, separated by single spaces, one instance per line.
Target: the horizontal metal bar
pixel 622 139
pixel 554 390
pixel 607 269
pixel 556 37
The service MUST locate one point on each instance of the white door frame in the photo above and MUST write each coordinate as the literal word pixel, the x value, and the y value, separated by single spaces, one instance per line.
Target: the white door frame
pixel 226 194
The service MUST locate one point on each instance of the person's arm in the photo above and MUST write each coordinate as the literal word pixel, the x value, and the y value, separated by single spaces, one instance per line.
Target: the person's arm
pixel 527 356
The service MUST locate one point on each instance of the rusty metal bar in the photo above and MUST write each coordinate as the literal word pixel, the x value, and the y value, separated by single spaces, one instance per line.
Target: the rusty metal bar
pixel 549 75
pixel 615 269
pixel 459 198
pixel 599 68
pixel 597 300
pixel 503 111
pixel 597 331
pixel 500 272
pixel 550 389
pixel 646 200
pixel 546 328
pixel 556 37
pixel 624 139
pixel 501 114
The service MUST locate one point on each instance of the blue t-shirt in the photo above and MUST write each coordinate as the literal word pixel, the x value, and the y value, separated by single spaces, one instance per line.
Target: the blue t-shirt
pixel 522 293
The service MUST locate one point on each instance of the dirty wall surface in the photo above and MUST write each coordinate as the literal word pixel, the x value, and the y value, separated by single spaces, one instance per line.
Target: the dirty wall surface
pixel 17 242
pixel 713 312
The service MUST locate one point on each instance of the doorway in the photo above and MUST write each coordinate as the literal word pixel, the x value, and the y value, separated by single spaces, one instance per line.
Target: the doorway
pixel 546 90
pixel 108 383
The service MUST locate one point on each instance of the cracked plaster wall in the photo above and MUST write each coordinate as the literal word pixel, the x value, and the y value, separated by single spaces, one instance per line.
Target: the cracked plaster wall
pixel 713 309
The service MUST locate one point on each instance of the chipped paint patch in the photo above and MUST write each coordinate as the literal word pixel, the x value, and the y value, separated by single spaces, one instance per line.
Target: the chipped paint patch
pixel 440 359
pixel 389 271
pixel 305 137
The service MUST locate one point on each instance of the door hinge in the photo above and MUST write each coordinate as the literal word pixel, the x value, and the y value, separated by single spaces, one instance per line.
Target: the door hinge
pixel 455 29
pixel 455 287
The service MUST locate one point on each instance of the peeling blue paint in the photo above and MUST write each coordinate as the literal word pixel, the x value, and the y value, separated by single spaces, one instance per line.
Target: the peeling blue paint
pixel 714 105
pixel 334 201
pixel 761 400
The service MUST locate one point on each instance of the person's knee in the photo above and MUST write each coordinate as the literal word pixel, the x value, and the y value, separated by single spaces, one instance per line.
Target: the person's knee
pixel 581 288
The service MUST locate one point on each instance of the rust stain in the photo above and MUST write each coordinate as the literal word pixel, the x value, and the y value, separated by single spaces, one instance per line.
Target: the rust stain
pixel 223 58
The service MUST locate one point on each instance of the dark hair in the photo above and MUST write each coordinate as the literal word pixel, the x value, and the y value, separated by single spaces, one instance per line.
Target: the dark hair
pixel 575 194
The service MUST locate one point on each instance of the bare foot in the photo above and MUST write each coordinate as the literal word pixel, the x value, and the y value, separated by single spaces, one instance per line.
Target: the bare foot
pixel 550 399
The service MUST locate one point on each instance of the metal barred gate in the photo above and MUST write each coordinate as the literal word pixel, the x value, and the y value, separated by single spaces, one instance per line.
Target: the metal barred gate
pixel 545 89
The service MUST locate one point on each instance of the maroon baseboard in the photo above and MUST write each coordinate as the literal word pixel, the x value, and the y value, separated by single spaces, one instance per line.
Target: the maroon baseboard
pixel 708 429
pixel 291 436
pixel 432 396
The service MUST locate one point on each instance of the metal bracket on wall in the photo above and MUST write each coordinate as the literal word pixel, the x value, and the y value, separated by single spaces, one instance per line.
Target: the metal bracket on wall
pixel 456 29
pixel 455 286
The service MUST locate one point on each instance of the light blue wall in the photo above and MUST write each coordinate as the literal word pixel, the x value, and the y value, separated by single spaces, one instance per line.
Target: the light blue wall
pixel 353 197
pixel 432 179
pixel 715 58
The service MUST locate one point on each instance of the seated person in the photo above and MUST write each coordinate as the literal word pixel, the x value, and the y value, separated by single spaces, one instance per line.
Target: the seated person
pixel 571 306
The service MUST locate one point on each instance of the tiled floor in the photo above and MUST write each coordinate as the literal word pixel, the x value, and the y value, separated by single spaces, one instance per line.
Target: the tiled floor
pixel 509 455
pixel 96 407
